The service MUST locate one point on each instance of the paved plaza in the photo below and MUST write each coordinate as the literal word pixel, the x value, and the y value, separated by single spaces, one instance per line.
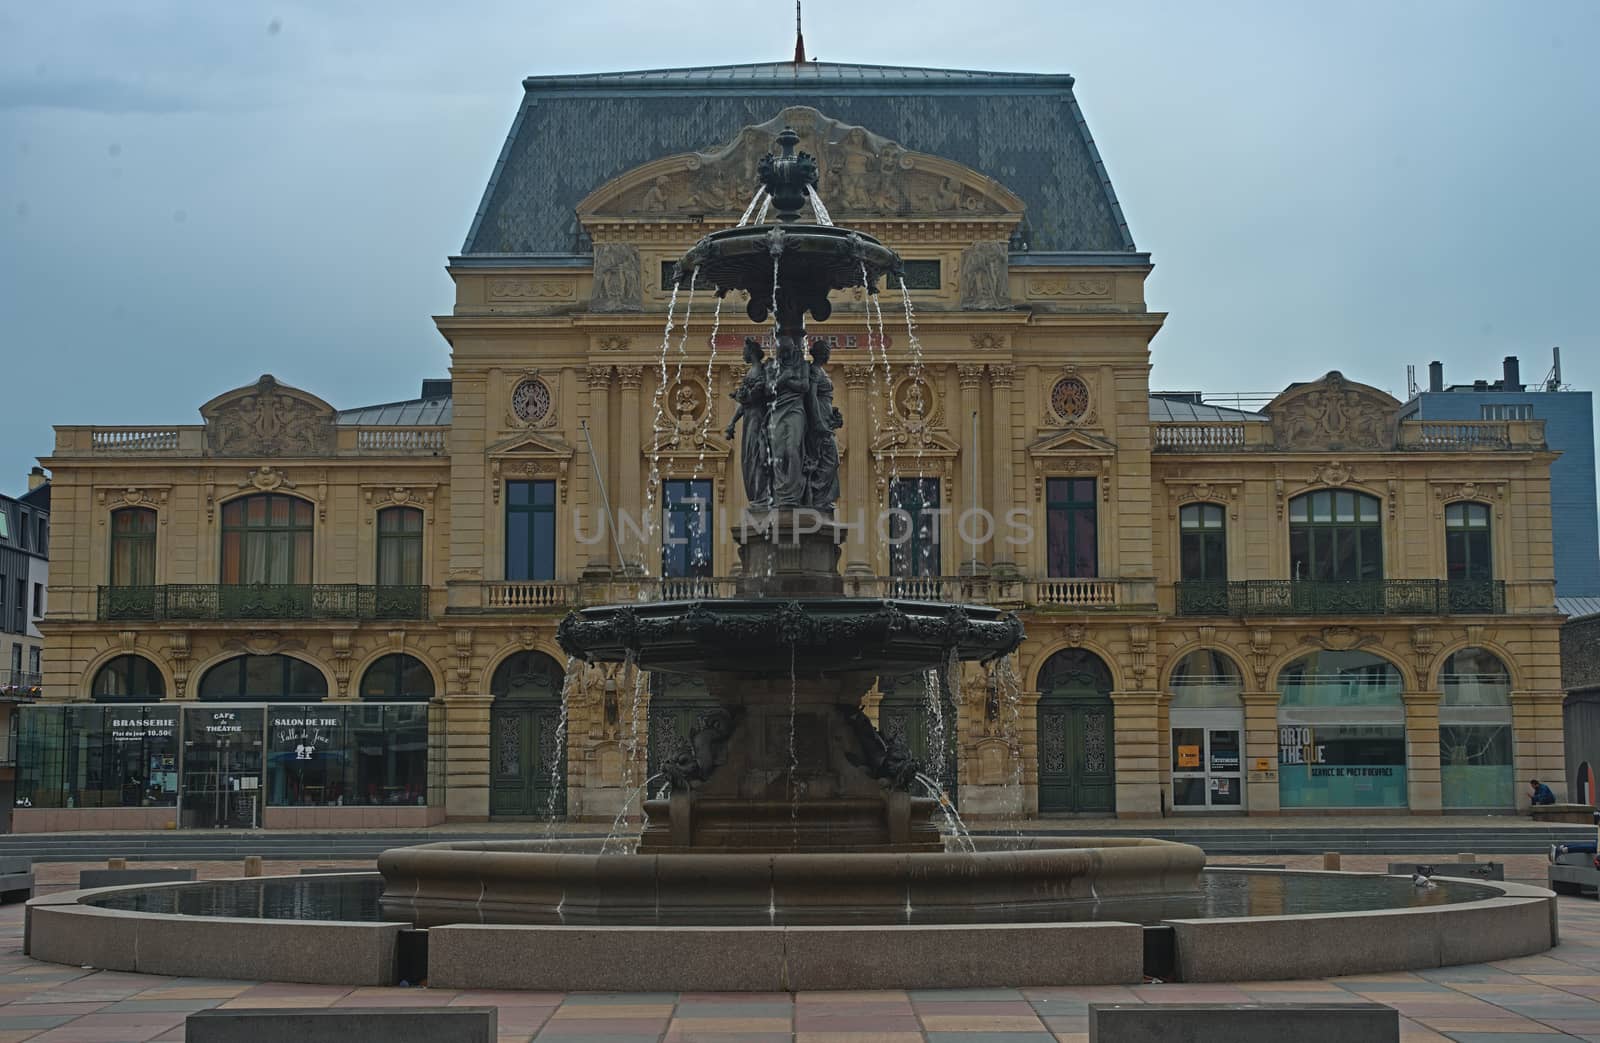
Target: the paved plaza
pixel 1537 998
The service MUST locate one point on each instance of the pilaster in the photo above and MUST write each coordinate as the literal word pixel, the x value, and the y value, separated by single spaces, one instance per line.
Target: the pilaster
pixel 1261 751
pixel 467 756
pixel 1423 793
pixel 1002 496
pixel 1138 758
pixel 857 469
pixel 1540 749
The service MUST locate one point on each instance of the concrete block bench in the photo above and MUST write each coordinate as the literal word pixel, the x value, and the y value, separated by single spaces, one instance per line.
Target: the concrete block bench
pixel 88 878
pixel 1463 870
pixel 1573 873
pixel 1243 1023
pixel 1582 814
pixel 16 879
pixel 342 1024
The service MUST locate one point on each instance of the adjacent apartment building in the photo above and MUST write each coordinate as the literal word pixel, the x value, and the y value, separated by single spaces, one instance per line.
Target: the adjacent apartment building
pixel 289 612
pixel 24 581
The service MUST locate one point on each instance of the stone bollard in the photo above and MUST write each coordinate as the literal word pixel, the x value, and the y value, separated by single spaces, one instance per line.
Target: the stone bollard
pixel 116 863
pixel 1467 857
pixel 252 865
pixel 1330 860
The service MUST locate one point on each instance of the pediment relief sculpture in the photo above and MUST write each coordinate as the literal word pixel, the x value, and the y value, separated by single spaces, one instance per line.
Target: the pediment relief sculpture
pixel 616 278
pixel 860 173
pixel 1332 414
pixel 268 419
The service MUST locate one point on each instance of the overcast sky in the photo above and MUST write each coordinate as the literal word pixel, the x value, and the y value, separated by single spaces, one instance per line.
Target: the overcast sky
pixel 194 194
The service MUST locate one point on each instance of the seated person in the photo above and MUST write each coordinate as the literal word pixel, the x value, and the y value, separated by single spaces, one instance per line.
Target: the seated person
pixel 1539 793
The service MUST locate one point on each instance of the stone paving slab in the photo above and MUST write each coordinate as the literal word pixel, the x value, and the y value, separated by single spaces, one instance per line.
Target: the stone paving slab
pixel 1539 998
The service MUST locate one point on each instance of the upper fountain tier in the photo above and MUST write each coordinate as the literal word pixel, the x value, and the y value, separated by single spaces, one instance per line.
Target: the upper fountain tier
pixel 809 261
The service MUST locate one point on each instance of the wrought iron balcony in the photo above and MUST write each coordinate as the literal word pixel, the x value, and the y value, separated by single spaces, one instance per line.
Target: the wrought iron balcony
pixel 1375 597
pixel 223 601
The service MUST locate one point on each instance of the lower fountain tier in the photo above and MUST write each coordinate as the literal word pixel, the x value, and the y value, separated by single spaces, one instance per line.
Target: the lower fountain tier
pixel 569 882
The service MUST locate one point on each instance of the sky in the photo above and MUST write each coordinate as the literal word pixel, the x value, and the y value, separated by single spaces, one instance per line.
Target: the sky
pixel 194 194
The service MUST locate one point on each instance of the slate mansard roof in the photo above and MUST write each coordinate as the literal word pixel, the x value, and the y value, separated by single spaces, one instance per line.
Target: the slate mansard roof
pixel 574 133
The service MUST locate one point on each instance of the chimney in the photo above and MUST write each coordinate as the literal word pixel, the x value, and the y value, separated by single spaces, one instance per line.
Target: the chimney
pixel 36 479
pixel 1436 376
pixel 1513 373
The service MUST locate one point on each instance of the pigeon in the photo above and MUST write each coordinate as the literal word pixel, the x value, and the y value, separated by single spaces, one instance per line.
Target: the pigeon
pixel 1422 882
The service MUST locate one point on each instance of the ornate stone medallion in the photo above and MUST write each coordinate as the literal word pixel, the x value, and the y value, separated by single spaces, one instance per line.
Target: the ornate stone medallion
pixel 531 401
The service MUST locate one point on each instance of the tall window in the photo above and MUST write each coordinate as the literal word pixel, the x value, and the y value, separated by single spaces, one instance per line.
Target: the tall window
pixel 23 521
pixel 686 528
pixel 41 542
pixel 914 527
pixel 264 677
pixel 266 538
pixel 1335 535
pixel 1203 550
pixel 1466 542
pixel 531 530
pixel 133 547
pixel 1070 526
pixel 400 547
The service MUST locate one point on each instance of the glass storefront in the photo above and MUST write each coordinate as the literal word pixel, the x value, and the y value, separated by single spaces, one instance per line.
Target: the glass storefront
pixel 221 765
pixel 1207 720
pixel 1341 733
pixel 1475 767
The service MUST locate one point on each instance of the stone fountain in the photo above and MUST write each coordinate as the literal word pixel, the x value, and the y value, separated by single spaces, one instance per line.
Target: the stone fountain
pixel 789 806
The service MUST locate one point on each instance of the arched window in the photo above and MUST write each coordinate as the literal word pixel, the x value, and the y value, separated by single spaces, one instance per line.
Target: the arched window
pixel 1076 741
pixel 264 678
pixel 527 675
pixel 1337 679
pixel 397 677
pixel 266 538
pixel 133 547
pixel 1475 735
pixel 400 547
pixel 128 677
pixel 1206 678
pixel 1335 534
pixel 1341 732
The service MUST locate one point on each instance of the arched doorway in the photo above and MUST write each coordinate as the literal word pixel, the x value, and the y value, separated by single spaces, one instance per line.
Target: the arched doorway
pixel 919 710
pixel 676 702
pixel 527 752
pixel 1475 735
pixel 1207 721
pixel 1077 741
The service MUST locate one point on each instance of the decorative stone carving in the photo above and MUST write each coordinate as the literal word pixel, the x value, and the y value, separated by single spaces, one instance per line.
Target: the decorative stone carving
pixel 178 653
pixel 984 283
pixel 517 291
pixel 859 173
pixel 1001 376
pixel 1070 286
pixel 379 497
pixel 631 377
pixel 1336 473
pixel 341 662
pixel 268 419
pixel 856 375
pixel 1200 490
pixel 987 341
pixel 532 403
pixel 1424 647
pixel 1339 639
pixel 615 342
pixel 598 378
pixel 1261 655
pixel 971 376
pixel 463 643
pixel 1139 647
pixel 616 278
pixel 1332 414
pixel 266 478
pixel 1073 634
pixel 1070 400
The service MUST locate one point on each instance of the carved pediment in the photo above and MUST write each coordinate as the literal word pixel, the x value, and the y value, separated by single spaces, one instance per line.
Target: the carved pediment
pixel 861 173
pixel 1072 444
pixel 1333 414
pixel 530 456
pixel 268 419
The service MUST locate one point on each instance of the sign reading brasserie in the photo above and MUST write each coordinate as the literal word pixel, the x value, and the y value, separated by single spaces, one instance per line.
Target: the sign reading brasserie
pixel 135 727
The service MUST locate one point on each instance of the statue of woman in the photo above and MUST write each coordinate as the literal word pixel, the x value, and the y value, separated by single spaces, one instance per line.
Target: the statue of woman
pixel 754 395
pixel 826 419
pixel 787 426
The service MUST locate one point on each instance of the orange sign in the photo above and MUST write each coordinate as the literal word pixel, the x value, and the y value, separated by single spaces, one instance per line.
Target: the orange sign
pixel 1263 764
pixel 1188 756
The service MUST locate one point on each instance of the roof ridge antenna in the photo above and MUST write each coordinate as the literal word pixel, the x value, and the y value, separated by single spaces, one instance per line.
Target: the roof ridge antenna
pixel 799 37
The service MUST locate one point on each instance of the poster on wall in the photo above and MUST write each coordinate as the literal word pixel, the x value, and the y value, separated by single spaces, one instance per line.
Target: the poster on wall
pixel 1188 756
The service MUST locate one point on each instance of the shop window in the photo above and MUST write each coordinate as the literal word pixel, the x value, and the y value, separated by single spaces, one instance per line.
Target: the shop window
pixel 128 677
pixel 1206 679
pixel 1070 523
pixel 1341 733
pixel 87 756
pixel 1475 733
pixel 686 528
pixel 256 678
pixel 266 538
pixel 1203 544
pixel 531 530
pixel 1335 534
pixel 1468 555
pixel 400 547
pixel 914 527
pixel 1339 679
pixel 397 677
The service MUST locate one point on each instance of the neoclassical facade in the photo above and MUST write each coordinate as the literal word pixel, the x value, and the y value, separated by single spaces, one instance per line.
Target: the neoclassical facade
pixel 296 614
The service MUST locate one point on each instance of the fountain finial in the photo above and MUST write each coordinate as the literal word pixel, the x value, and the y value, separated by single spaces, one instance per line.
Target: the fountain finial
pixel 788 175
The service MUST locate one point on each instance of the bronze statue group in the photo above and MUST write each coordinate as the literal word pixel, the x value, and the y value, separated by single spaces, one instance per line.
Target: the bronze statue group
pixel 788 453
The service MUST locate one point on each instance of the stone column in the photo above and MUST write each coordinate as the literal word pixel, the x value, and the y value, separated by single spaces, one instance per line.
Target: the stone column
pixel 599 380
pixel 627 497
pixel 1003 496
pixel 969 497
pixel 1138 762
pixel 467 757
pixel 1261 745
pixel 1422 752
pixel 857 506
pixel 1540 750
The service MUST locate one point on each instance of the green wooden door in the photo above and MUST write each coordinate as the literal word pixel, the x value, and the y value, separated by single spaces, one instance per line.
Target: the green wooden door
pixel 528 761
pixel 905 714
pixel 1077 735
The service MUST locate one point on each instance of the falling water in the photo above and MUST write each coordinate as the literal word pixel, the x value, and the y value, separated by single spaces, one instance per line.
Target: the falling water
pixel 630 767
pixel 710 406
pixel 952 818
pixel 933 702
pixel 616 841
pixel 761 218
pixel 653 488
pixel 876 305
pixel 817 207
pixel 1009 693
pixel 794 755
pixel 745 218
pixel 914 346
pixel 557 763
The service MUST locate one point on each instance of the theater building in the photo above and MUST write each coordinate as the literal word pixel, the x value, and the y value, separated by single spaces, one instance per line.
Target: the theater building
pixel 296 613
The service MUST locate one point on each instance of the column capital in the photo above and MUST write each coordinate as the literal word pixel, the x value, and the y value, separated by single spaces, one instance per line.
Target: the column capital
pixel 971 376
pixel 597 377
pixel 856 375
pixel 632 377
pixel 1001 375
